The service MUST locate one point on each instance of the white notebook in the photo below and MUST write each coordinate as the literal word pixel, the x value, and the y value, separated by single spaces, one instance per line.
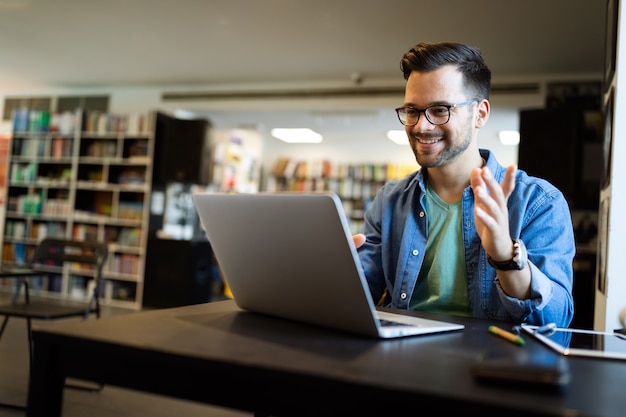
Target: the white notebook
pixel 291 255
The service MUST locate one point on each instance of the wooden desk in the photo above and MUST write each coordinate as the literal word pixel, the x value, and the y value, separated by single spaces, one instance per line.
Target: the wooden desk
pixel 215 353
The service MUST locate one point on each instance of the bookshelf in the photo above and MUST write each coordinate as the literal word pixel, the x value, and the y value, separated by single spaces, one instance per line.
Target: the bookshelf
pixel 84 175
pixel 355 183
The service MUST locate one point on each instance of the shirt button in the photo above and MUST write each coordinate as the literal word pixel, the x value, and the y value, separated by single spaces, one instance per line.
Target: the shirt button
pixel 421 214
pixel 415 252
pixel 403 296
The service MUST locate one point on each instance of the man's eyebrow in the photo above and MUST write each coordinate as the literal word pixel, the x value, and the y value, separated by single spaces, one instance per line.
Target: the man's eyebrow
pixel 434 103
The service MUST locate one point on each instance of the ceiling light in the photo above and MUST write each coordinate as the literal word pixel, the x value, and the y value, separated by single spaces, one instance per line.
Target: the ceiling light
pixel 398 136
pixel 300 135
pixel 509 137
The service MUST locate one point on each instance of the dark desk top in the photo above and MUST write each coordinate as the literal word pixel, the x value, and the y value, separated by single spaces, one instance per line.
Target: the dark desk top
pixel 270 361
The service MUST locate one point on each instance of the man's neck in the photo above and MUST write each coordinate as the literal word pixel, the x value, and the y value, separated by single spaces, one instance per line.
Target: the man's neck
pixel 450 180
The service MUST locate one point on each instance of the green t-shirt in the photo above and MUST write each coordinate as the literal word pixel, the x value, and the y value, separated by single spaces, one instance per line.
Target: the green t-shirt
pixel 442 282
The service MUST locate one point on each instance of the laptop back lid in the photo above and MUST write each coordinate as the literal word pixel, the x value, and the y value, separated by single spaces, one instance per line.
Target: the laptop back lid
pixel 291 255
pixel 288 255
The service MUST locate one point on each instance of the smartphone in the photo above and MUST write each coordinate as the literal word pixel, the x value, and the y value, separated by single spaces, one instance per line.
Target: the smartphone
pixel 541 369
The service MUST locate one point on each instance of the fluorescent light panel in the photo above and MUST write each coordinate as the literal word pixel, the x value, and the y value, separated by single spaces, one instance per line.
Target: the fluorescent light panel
pixel 299 135
pixel 398 136
pixel 509 137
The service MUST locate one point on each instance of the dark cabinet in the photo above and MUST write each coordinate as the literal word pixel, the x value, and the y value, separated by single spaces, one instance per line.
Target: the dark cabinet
pixel 178 273
pixel 181 152
pixel 564 146
pixel 179 270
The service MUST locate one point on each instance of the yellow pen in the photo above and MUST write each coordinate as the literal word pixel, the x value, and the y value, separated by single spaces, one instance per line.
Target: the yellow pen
pixel 513 338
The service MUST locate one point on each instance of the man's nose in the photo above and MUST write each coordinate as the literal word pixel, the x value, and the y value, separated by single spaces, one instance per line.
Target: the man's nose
pixel 422 123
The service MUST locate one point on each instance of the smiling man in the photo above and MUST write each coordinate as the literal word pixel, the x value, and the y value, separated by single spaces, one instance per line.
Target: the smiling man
pixel 464 235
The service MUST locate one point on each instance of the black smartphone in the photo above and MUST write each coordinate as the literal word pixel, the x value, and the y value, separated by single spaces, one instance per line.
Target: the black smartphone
pixel 537 369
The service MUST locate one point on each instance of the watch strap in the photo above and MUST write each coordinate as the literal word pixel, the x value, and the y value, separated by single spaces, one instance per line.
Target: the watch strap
pixel 517 263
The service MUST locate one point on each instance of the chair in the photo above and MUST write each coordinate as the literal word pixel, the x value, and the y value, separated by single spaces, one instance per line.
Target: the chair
pixel 85 258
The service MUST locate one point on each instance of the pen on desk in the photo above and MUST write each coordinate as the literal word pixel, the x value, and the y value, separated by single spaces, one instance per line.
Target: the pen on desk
pixel 513 338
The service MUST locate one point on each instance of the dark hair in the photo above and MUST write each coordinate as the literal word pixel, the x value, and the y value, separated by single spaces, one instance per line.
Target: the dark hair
pixel 426 57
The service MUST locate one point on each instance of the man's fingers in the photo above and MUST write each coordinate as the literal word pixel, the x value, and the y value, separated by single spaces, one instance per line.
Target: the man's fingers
pixel 359 239
pixel 508 184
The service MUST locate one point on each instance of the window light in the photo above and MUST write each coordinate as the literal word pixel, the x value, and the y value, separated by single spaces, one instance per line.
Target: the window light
pixel 398 136
pixel 300 135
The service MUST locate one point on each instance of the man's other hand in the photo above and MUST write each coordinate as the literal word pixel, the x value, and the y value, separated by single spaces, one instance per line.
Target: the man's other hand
pixel 359 239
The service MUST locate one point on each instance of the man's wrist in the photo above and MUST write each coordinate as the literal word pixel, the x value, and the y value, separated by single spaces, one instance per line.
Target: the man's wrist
pixel 516 263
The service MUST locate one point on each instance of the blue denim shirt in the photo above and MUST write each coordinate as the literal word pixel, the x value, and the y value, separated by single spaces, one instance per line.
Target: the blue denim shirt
pixel 396 229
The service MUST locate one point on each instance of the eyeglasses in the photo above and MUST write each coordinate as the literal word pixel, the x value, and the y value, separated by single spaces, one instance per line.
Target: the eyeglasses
pixel 437 114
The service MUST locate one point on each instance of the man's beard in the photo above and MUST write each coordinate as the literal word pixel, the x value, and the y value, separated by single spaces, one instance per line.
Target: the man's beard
pixel 449 153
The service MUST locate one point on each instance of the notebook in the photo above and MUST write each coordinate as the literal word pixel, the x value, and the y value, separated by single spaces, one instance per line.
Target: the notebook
pixel 291 255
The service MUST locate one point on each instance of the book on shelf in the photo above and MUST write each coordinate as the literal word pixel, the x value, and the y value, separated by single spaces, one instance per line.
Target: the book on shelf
pixel 39 231
pixel 57 148
pixel 290 169
pixel 302 170
pixel 85 232
pixel 124 263
pixel 21 117
pixel 135 124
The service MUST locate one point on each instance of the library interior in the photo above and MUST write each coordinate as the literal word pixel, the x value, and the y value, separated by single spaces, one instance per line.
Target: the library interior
pixel 107 141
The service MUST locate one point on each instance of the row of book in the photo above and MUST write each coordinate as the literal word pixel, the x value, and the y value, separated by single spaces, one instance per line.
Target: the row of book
pixel 346 188
pixel 29 147
pixel 16 253
pixel 23 173
pixel 18 229
pixel 29 174
pixel 99 122
pixel 122 236
pixel 31 204
pixel 42 147
pixel 124 263
pixel 37 121
pixel 130 210
pixel 378 172
pixel 100 149
pixel 85 232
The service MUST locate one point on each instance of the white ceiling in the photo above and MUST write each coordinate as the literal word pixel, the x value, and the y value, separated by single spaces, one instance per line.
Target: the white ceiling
pixel 89 43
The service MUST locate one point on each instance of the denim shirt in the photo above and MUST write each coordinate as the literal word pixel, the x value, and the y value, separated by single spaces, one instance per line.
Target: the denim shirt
pixel 396 229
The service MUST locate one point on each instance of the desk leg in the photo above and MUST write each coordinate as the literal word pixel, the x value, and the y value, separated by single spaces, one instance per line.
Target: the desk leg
pixel 45 389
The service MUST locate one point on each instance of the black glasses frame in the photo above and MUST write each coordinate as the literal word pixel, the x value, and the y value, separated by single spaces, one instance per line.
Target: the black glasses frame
pixel 425 111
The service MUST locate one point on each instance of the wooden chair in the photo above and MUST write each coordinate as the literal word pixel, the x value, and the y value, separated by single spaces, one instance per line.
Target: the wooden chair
pixel 85 258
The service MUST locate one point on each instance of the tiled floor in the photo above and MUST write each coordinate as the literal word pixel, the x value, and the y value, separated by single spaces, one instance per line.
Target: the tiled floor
pixel 110 402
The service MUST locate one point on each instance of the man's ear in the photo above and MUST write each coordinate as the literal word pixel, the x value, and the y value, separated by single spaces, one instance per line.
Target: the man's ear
pixel 484 109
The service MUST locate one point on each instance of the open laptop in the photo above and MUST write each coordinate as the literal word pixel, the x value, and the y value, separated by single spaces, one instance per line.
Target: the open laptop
pixel 291 255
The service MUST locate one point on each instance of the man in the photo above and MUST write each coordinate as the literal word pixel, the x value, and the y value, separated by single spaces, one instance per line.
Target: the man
pixel 463 235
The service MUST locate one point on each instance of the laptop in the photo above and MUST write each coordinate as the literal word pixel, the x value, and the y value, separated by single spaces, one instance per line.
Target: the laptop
pixel 291 255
